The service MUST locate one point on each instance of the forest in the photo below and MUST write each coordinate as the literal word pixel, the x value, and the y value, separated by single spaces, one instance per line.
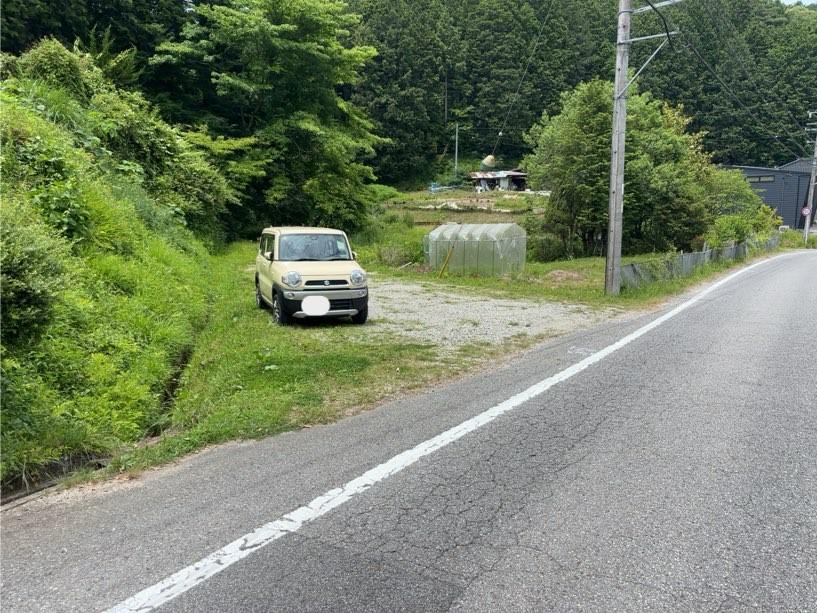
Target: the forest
pixel 140 136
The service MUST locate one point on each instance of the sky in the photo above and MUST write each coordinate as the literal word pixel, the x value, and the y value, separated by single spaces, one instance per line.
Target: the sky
pixel 795 1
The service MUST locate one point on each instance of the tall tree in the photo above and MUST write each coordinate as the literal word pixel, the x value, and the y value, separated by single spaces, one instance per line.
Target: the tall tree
pixel 141 25
pixel 724 70
pixel 411 88
pixel 664 204
pixel 500 35
pixel 571 158
pixel 25 22
pixel 589 35
pixel 275 70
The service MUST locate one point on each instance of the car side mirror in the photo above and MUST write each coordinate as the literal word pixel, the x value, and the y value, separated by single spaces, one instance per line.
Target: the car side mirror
pixel 354 255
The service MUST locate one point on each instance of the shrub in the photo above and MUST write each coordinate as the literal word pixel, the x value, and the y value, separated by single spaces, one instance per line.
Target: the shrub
pixel 545 248
pixel 8 66
pixel 544 244
pixel 765 221
pixel 32 260
pixel 62 205
pixel 391 240
pixel 758 224
pixel 116 132
pixel 729 229
pixel 55 65
pixel 383 193
pixel 34 151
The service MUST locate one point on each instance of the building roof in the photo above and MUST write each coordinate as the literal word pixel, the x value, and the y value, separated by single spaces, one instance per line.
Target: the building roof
pixel 499 174
pixel 788 169
pixel 798 165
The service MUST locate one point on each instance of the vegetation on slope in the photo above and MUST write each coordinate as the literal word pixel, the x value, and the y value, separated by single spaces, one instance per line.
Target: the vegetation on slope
pixel 104 282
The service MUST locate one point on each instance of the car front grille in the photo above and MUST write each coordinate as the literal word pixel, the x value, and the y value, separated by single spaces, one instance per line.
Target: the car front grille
pixel 326 283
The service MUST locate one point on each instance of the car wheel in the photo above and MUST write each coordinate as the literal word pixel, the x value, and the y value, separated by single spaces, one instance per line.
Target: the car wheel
pixel 259 301
pixel 361 316
pixel 278 312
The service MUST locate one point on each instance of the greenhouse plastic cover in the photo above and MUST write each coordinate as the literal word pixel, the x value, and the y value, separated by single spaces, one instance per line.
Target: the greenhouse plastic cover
pixel 484 249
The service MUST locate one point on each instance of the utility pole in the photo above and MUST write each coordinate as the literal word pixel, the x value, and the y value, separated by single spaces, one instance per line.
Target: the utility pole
pixel 810 199
pixel 456 148
pixel 612 271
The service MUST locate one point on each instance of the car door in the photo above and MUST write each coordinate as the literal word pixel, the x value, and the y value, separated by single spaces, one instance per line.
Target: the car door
pixel 263 264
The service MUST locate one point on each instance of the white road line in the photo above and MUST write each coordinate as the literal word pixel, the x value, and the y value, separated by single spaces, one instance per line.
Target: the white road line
pixel 189 577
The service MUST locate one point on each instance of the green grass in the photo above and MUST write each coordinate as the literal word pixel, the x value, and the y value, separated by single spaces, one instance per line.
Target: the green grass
pixel 98 312
pixel 794 239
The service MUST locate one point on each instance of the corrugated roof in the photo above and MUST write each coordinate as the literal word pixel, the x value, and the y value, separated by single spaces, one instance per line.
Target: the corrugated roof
pixel 499 174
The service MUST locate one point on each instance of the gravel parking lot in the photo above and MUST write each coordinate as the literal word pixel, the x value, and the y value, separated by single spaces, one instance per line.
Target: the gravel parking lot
pixel 429 313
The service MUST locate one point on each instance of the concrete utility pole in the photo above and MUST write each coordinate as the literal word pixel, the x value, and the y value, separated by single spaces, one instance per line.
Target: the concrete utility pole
pixel 612 271
pixel 810 199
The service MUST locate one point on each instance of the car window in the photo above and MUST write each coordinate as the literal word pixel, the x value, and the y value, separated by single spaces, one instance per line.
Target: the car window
pixel 313 247
pixel 266 245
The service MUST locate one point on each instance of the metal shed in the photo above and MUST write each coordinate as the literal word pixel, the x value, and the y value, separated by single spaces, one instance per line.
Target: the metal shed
pixel 481 249
pixel 507 180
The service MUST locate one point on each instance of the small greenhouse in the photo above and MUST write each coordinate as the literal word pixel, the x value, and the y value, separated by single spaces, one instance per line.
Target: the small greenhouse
pixel 482 249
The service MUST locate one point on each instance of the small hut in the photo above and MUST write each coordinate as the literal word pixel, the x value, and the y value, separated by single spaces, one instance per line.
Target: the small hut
pixel 491 249
pixel 507 180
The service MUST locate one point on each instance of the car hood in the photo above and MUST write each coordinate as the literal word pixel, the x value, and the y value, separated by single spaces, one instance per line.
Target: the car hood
pixel 323 269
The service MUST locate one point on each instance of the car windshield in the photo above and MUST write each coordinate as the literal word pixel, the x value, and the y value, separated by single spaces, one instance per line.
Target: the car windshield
pixel 312 247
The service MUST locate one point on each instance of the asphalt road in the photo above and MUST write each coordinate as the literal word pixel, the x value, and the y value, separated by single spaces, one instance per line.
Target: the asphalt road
pixel 666 468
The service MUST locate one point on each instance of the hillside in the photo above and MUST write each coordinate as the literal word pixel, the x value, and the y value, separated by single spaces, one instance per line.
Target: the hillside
pixel 105 283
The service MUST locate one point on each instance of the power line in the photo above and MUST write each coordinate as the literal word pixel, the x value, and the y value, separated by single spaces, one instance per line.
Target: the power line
pixel 524 74
pixel 722 18
pixel 735 96
pixel 758 120
pixel 663 19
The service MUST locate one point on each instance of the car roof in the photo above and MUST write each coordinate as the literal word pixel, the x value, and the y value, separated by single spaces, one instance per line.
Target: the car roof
pixel 300 230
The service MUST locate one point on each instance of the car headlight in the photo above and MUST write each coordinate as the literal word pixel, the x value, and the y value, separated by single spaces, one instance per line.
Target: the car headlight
pixel 357 277
pixel 292 278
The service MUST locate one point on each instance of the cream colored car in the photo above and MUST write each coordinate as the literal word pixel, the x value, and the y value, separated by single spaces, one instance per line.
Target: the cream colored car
pixel 305 272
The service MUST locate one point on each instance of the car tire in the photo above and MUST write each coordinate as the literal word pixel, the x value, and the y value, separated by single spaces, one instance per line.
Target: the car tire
pixel 361 316
pixel 259 301
pixel 278 312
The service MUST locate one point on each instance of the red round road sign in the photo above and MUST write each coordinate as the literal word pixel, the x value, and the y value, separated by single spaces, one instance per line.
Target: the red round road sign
pixel 806 211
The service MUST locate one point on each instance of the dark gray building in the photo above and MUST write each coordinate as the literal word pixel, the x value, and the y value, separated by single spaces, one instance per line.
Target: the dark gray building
pixel 785 188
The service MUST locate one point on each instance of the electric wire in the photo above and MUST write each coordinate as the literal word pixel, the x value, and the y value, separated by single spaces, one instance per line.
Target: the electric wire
pixel 760 123
pixel 663 19
pixel 721 19
pixel 737 99
pixel 524 74
pixel 749 74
